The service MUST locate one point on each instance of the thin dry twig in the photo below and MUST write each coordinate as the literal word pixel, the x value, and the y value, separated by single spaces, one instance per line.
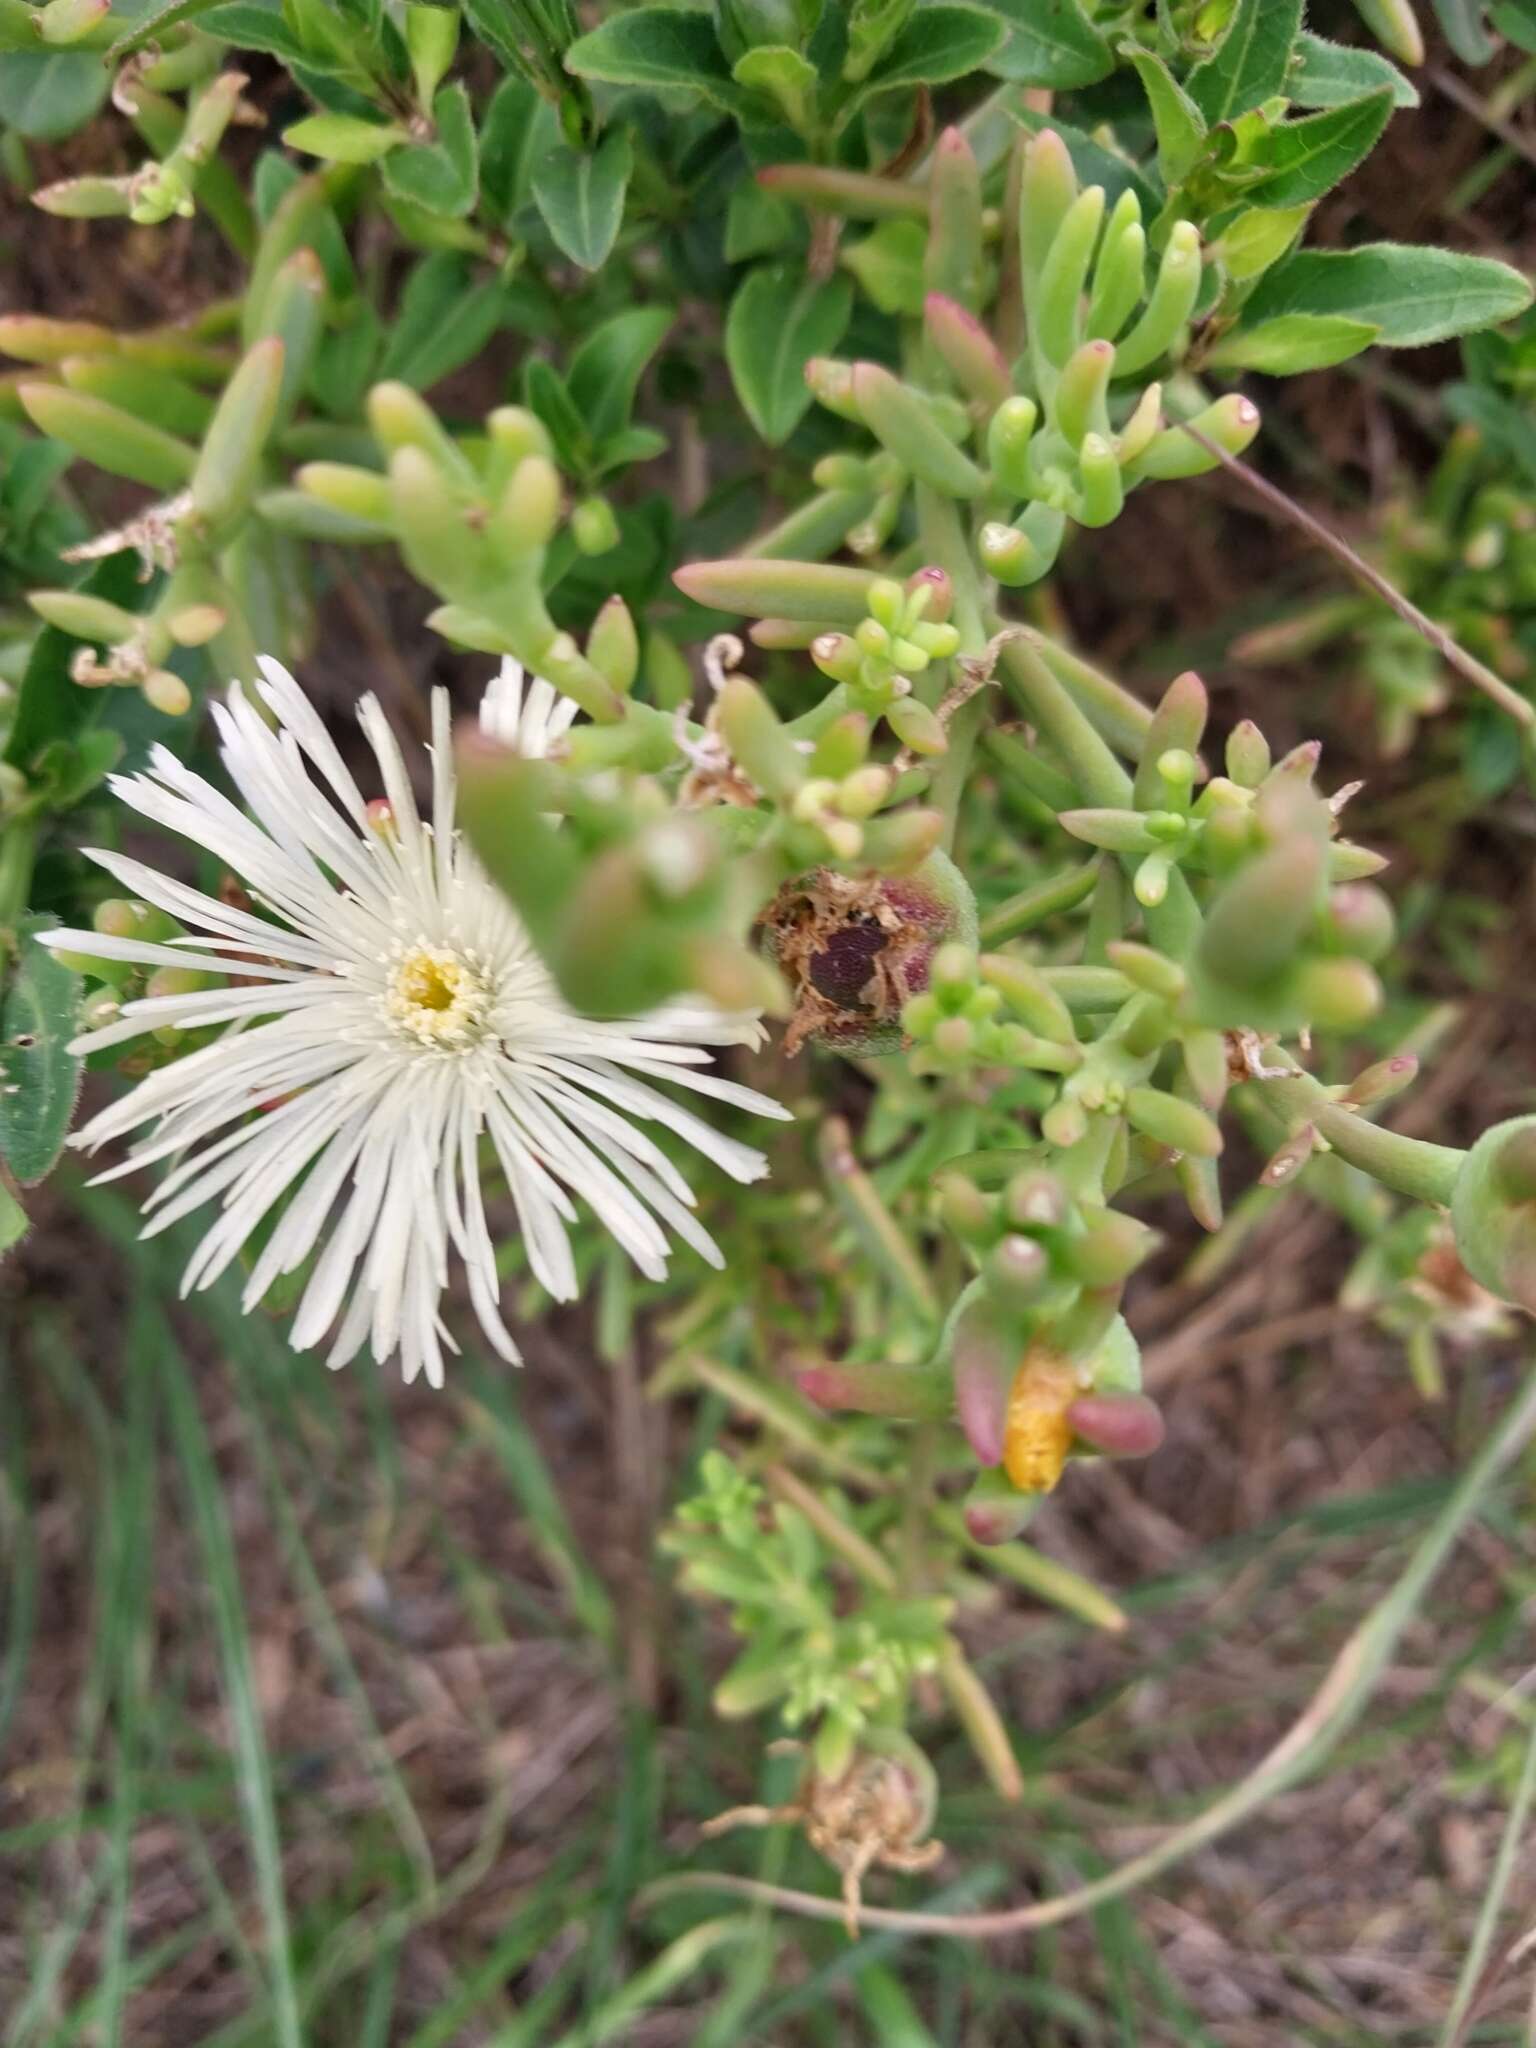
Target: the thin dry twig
pixel 1449 650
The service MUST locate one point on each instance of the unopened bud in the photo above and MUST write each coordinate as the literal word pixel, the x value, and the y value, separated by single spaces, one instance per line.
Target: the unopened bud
pixel 1358 919
pixel 613 645
pixel 1381 1081
pixel 594 526
pixel 1016 1271
pixel 916 726
pixel 166 693
pixel 195 624
pixel 1247 754
pixel 1339 995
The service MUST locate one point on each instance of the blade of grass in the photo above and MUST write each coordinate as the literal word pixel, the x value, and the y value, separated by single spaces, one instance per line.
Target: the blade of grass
pixel 254 1768
pixel 679 1961
pixel 18 1541
pixel 322 1619
pixel 1458 2021
pixel 491 1412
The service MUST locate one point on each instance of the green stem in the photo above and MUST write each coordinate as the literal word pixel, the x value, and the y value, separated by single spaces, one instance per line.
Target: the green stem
pixel 859 1199
pixel 1409 1166
pixel 837 1534
pixel 18 852
pixel 1035 905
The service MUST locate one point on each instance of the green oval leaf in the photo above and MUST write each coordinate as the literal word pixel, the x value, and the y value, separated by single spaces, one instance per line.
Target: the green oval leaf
pixel 39 1077
pixel 581 197
pixel 1292 343
pixel 1332 74
pixel 1249 64
pixel 47 94
pixel 1414 296
pixel 937 44
pixel 1307 158
pixel 658 47
pixel 778 320
pixel 1055 45
pixel 608 365
pixel 441 176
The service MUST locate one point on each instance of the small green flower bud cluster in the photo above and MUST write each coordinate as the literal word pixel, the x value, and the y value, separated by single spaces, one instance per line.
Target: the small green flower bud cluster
pixel 901 636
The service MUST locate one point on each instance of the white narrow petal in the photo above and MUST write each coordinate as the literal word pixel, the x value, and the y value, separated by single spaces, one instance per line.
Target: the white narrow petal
pixel 384 1022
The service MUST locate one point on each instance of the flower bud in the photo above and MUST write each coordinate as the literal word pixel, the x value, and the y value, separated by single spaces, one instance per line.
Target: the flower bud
pixel 1337 994
pixel 594 526
pixel 916 726
pixel 1017 1271
pixel 166 693
pixel 613 646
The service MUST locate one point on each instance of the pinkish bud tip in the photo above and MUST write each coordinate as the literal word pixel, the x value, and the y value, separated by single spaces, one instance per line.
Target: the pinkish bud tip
pixel 822 1384
pixel 989 1525
pixel 1119 1425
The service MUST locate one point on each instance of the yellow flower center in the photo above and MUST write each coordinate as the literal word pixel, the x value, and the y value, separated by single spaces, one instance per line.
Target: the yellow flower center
pixel 438 997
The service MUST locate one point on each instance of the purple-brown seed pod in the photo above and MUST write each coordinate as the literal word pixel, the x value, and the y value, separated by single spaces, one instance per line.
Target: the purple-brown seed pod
pixel 856 948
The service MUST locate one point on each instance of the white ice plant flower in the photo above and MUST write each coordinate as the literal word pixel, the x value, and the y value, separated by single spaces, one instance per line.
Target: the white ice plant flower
pixel 385 1012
